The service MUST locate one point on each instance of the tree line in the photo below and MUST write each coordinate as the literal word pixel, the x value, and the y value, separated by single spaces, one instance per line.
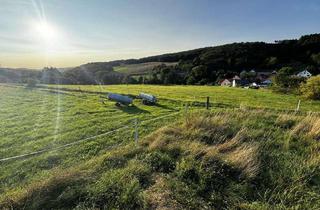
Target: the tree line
pixel 200 66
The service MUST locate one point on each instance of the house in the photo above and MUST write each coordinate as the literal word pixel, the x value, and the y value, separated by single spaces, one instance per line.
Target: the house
pixel 305 74
pixel 236 78
pixel 254 85
pixel 235 81
pixel 226 82
pixel 239 82
pixel 266 83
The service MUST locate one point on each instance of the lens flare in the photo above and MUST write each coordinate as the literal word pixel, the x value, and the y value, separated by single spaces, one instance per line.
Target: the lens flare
pixel 46 32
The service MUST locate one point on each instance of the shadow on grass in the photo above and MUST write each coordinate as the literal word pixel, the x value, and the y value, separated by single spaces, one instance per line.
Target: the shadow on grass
pixel 165 107
pixel 132 109
pixel 57 92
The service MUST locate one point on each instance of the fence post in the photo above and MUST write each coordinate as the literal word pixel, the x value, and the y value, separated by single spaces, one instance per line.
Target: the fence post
pixel 186 111
pixel 136 133
pixel 298 106
pixel 208 102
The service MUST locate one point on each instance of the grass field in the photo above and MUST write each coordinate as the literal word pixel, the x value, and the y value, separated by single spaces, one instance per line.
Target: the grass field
pixel 283 147
pixel 225 96
pixel 37 119
pixel 139 69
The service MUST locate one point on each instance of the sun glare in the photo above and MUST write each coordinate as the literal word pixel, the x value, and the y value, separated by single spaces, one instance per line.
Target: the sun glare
pixel 48 37
pixel 46 32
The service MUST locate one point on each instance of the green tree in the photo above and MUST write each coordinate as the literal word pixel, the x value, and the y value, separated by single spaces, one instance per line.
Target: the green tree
pixel 286 81
pixel 311 89
pixel 129 80
pixel 31 82
pixel 244 74
pixel 252 74
pixel 197 74
pixel 272 61
pixel 316 58
pixel 141 80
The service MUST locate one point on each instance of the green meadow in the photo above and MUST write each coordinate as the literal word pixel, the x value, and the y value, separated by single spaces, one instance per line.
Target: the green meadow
pixel 140 69
pixel 225 96
pixel 249 151
pixel 37 119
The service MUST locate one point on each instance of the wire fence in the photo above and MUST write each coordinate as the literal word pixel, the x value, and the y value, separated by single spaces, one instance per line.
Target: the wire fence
pixel 192 101
pixel 61 147
pixel 198 102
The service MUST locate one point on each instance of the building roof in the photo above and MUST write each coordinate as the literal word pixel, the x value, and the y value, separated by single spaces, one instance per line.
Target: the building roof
pixel 226 80
pixel 268 81
pixel 304 73
pixel 236 77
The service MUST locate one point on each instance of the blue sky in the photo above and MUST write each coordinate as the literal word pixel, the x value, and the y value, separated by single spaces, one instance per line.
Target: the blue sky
pixel 62 33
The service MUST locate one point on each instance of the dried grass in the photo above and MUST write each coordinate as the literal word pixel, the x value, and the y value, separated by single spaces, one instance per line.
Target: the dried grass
pixel 309 126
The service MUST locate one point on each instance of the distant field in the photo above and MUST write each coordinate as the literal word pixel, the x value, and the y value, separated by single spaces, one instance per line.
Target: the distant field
pixel 139 69
pixel 231 97
pixel 51 116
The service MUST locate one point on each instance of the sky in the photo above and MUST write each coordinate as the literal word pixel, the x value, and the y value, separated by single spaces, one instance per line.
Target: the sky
pixel 66 33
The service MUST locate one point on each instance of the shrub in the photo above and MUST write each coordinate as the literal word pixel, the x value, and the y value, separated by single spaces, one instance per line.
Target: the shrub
pixel 31 82
pixel 285 81
pixel 311 89
pixel 120 188
pixel 160 162
pixel 188 171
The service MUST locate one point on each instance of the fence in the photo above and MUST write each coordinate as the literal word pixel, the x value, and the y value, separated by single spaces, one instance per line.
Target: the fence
pixel 135 125
pixel 198 102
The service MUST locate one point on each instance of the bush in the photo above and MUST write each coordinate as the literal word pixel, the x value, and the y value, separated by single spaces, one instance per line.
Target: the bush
pixel 285 81
pixel 311 89
pixel 160 162
pixel 31 82
pixel 188 170
pixel 120 188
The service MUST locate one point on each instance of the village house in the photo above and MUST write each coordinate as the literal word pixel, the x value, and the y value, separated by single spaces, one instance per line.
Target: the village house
pixel 236 78
pixel 235 81
pixel 238 82
pixel 249 78
pixel 266 83
pixel 304 74
pixel 226 82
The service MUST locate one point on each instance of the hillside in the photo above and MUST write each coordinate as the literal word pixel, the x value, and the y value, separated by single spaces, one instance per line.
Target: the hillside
pixel 250 150
pixel 141 68
pixel 9 75
pixel 199 66
pixel 204 160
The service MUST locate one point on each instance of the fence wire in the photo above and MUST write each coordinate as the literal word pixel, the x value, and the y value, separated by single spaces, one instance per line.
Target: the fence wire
pixel 61 147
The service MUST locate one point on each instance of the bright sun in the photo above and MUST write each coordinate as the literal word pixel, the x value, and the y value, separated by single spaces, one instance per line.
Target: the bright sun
pixel 48 37
pixel 46 32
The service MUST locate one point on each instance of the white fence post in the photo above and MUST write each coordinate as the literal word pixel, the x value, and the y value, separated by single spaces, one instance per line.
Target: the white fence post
pixel 298 106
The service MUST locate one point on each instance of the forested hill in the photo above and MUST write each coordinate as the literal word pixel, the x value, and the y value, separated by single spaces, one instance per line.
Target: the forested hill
pixel 199 66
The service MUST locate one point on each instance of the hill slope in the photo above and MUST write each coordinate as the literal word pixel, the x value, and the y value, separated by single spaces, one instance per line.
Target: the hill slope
pixel 206 160
pixel 140 69
pixel 215 62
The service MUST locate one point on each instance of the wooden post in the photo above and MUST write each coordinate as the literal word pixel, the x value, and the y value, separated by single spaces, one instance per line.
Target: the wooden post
pixel 298 106
pixel 136 133
pixel 207 104
pixel 186 111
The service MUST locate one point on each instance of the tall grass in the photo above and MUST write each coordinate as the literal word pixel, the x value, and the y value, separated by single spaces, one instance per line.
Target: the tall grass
pixel 186 165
